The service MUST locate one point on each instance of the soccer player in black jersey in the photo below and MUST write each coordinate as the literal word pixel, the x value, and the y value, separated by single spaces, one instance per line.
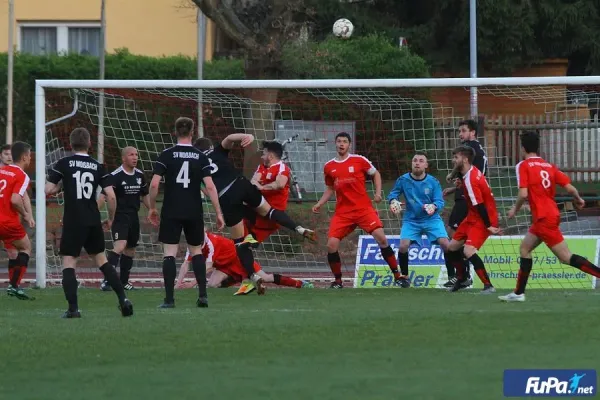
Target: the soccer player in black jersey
pixel 184 169
pixel 467 133
pixel 235 193
pixel 81 176
pixel 130 187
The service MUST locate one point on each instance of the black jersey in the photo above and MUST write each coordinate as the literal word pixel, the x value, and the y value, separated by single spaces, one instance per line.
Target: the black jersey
pixel 480 162
pixel 129 189
pixel 222 170
pixel 184 167
pixel 81 176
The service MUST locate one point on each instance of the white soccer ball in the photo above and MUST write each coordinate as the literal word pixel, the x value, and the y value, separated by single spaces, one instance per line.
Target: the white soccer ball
pixel 343 28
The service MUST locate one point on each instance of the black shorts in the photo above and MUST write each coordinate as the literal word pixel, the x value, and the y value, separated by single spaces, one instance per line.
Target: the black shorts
pixel 170 229
pixel 241 193
pixel 126 227
pixel 74 237
pixel 458 213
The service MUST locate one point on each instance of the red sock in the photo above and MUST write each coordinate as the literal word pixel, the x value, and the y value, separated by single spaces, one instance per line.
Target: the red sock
pixel 390 259
pixel 286 281
pixel 581 263
pixel 483 276
pixel 523 276
pixel 335 263
pixel 11 272
pixel 21 275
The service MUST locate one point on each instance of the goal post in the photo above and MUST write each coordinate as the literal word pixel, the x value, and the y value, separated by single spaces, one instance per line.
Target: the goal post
pixel 389 119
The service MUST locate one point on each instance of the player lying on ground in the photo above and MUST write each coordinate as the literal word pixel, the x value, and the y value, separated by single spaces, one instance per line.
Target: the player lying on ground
pixel 537 180
pixel 480 223
pixel 130 187
pixel 81 176
pixel 13 187
pixel 345 175
pixel 236 192
pixel 424 202
pixel 184 169
pixel 221 257
pixel 467 133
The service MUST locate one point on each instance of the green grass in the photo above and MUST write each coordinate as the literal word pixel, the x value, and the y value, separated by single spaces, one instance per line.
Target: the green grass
pixel 305 344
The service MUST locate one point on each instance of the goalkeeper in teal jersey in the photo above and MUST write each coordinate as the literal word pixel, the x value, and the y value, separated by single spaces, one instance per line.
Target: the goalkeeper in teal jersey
pixel 424 202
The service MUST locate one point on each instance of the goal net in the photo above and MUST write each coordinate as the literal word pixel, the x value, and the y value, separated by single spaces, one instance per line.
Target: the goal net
pixel 387 125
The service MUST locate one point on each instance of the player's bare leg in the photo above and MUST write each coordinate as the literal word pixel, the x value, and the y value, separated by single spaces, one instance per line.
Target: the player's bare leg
pixel 470 253
pixel 281 217
pixel 112 277
pixel 19 266
pixel 217 278
pixel 169 270
pixel 199 268
pixel 335 262
pixel 530 242
pixel 244 252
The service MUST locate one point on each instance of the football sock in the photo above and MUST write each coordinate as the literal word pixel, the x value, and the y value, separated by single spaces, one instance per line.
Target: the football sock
pixel 69 284
pixel 285 281
pixel 480 269
pixel 111 276
pixel 199 267
pixel 20 268
pixel 113 258
pixel 246 257
pixel 403 261
pixel 523 276
pixel 228 282
pixel 13 272
pixel 169 270
pixel 335 263
pixel 584 265
pixel 466 267
pixel 449 267
pixel 125 268
pixel 282 219
pixel 388 255
pixel 456 259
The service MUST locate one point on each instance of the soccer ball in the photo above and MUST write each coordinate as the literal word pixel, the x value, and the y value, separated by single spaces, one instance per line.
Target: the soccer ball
pixel 343 28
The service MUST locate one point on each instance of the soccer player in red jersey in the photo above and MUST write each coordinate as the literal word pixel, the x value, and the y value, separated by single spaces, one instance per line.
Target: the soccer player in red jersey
pixel 537 180
pixel 480 223
pixel 345 175
pixel 221 257
pixel 13 186
pixel 272 178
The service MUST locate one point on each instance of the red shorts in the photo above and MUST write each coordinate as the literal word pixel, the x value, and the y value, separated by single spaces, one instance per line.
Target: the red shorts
pixel 8 245
pixel 262 229
pixel 236 271
pixel 548 230
pixel 472 233
pixel 9 232
pixel 341 225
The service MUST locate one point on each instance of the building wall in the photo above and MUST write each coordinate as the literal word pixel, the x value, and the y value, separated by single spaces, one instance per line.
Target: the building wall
pixel 148 27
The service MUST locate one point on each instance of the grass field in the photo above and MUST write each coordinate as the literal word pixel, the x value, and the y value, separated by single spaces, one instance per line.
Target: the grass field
pixel 304 344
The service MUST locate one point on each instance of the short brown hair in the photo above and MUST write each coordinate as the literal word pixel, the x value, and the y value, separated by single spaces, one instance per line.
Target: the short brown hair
pixel 184 126
pixel 18 150
pixel 203 144
pixel 5 147
pixel 465 151
pixel 80 139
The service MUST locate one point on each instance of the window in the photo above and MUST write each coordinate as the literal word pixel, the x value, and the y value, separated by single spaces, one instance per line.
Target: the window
pixel 61 38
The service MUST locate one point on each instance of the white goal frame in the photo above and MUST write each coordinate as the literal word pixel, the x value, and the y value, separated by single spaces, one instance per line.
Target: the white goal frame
pixel 42 85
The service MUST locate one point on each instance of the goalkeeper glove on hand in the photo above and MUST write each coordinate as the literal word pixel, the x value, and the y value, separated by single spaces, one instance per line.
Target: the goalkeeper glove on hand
pixel 430 209
pixel 395 207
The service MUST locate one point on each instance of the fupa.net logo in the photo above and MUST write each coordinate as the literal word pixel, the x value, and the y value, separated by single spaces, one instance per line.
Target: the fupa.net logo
pixel 548 382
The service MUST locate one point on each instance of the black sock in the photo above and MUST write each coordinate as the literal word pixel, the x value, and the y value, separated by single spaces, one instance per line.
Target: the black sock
pixel 69 284
pixel 246 257
pixel 227 282
pixel 449 267
pixel 403 262
pixel 113 258
pixel 125 268
pixel 335 263
pixel 282 219
pixel 456 260
pixel 276 279
pixel 480 269
pixel 169 270
pixel 584 265
pixel 13 272
pixel 199 267
pixel 111 276
pixel 524 271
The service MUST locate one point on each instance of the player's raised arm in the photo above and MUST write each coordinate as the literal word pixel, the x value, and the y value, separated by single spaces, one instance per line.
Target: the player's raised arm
pixel 244 139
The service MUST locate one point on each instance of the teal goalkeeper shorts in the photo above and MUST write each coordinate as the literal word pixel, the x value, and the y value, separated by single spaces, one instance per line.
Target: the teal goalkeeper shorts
pixel 433 228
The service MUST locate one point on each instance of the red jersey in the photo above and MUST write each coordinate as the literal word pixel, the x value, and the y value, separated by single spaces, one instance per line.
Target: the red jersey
pixel 348 178
pixel 276 198
pixel 540 178
pixel 477 191
pixel 219 250
pixel 12 180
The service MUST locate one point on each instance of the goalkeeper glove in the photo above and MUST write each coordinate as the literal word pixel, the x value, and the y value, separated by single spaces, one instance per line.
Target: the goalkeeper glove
pixel 395 206
pixel 430 209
